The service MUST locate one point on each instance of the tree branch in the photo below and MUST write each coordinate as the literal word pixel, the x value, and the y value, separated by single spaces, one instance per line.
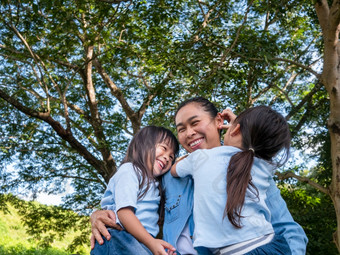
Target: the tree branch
pixel 283 90
pixel 117 92
pixel 228 50
pixel 322 11
pixel 114 1
pixel 110 165
pixel 225 53
pixel 307 98
pixel 64 134
pixel 334 18
pixel 205 19
pixel 57 61
pixel 307 68
pixel 287 175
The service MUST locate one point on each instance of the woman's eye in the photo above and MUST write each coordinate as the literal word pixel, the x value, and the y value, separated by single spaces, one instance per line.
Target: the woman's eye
pixel 180 130
pixel 194 123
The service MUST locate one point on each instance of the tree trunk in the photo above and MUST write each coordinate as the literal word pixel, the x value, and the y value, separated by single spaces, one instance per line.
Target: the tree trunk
pixel 329 18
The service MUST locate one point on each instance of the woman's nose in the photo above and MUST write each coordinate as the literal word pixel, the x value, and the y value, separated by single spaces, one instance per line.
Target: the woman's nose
pixel 190 132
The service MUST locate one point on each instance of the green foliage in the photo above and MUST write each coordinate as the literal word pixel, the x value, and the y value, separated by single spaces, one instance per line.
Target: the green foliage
pixel 22 250
pixel 33 228
pixel 78 78
pixel 315 213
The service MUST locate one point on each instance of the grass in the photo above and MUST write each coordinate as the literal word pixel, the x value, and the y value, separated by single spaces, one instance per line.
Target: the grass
pixel 15 241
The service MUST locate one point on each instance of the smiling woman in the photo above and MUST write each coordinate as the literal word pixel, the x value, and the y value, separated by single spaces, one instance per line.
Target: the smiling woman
pixel 198 124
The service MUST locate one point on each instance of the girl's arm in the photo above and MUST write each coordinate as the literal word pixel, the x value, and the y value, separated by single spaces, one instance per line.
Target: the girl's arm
pixel 173 168
pixel 134 227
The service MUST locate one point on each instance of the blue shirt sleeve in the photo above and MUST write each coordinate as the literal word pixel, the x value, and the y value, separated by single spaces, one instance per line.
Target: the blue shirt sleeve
pixel 283 222
pixel 122 190
pixel 126 187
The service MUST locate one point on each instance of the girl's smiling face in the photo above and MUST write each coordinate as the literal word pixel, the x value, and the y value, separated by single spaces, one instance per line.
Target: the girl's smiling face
pixel 196 128
pixel 163 159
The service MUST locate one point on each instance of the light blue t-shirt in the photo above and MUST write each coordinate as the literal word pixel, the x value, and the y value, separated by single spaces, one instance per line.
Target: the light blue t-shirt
pixel 209 170
pixel 123 191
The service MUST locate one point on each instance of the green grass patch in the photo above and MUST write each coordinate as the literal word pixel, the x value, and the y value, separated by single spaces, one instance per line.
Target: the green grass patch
pixel 14 238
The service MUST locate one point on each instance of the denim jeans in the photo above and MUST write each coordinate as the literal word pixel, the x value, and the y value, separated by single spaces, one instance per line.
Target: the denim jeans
pixel 121 243
pixel 278 246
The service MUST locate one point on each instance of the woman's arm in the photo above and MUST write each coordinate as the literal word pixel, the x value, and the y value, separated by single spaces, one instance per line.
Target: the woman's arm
pixel 131 223
pixel 283 222
pixel 99 220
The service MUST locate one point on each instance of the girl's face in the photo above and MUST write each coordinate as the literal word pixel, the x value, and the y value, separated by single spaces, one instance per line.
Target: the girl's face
pixel 163 160
pixel 196 128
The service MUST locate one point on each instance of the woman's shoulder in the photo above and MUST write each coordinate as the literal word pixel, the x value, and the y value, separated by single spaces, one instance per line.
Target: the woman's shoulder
pixel 264 166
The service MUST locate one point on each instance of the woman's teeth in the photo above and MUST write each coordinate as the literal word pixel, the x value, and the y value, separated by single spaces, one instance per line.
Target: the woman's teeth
pixel 195 142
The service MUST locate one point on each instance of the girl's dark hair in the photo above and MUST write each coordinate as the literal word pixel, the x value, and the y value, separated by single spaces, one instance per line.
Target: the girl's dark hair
pixel 142 150
pixel 203 102
pixel 265 133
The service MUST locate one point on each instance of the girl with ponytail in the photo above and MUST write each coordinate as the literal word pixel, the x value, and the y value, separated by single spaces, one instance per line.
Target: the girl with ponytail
pixel 231 183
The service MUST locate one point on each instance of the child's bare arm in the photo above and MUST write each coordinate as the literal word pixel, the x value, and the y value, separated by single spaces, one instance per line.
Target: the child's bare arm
pixel 134 227
pixel 173 168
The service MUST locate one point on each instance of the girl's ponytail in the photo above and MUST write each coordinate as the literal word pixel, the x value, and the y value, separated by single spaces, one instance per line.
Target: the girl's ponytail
pixel 238 180
pixel 265 133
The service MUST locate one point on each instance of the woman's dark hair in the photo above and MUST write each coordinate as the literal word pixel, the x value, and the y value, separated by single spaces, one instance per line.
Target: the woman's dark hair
pixel 203 102
pixel 265 133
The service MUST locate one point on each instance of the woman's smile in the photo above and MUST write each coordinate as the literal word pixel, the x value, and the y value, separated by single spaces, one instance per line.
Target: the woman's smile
pixel 194 145
pixel 196 128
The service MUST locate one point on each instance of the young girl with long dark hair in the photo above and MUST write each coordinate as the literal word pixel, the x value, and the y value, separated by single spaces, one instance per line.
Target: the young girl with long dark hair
pixel 134 194
pixel 231 182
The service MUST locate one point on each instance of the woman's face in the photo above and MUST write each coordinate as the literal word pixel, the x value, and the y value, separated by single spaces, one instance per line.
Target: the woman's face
pixel 196 129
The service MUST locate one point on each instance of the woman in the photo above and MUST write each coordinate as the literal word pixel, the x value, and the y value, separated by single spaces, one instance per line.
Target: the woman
pixel 198 125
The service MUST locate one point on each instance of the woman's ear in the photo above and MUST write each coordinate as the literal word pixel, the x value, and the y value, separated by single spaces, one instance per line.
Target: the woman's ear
pixel 219 120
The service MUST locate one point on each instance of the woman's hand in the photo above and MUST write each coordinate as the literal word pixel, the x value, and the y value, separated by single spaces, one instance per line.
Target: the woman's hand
pixel 99 220
pixel 159 246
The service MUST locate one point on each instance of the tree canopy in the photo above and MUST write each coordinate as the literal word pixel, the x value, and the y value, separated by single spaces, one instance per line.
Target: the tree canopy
pixel 79 78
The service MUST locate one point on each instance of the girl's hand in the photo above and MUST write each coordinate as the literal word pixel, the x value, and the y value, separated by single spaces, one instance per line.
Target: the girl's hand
pixel 159 246
pixel 229 116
